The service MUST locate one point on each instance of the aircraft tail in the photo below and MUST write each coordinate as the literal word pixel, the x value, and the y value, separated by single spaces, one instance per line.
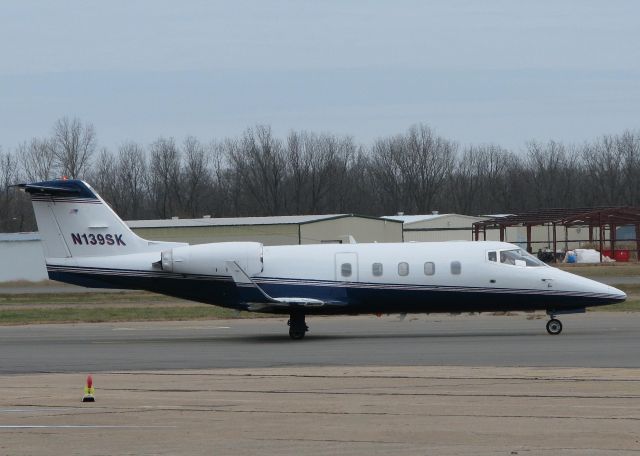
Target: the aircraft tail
pixel 74 221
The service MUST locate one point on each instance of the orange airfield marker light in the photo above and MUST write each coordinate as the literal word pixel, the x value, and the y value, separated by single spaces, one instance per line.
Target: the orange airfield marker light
pixel 89 391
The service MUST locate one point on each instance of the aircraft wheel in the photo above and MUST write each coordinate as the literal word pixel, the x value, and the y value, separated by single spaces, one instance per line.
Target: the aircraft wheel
pixel 297 326
pixel 554 327
pixel 297 334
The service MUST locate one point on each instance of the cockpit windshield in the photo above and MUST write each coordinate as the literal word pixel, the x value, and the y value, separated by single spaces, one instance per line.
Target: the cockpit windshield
pixel 519 257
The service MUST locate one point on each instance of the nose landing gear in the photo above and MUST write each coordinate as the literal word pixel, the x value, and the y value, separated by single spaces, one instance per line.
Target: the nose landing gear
pixel 297 326
pixel 554 326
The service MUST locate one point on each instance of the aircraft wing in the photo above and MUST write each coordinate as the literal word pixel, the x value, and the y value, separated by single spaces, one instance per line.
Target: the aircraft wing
pixel 258 299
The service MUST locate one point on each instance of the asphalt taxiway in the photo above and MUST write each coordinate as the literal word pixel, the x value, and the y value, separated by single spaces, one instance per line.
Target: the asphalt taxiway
pixel 596 339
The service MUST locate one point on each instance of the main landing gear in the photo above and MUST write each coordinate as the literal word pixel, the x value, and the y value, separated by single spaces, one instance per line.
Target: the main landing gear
pixel 554 327
pixel 297 326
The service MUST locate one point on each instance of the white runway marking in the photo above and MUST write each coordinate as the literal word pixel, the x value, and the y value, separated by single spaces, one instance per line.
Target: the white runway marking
pixel 77 426
pixel 37 409
pixel 180 328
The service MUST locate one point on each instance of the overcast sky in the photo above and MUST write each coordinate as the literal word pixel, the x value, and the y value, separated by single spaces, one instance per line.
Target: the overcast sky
pixel 476 71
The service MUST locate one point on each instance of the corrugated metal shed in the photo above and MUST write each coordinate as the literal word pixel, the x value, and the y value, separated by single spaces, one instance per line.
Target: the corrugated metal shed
pixel 437 227
pixel 233 221
pixel 277 230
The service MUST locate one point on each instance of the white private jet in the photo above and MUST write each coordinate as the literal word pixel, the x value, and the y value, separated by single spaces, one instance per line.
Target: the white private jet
pixel 87 244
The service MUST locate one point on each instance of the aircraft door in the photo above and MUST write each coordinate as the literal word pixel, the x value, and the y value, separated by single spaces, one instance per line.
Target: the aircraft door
pixel 347 267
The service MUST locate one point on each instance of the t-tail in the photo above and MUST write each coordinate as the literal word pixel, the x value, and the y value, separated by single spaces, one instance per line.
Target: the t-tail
pixel 74 221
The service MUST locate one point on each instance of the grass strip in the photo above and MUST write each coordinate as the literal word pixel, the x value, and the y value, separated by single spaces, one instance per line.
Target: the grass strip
pixel 106 314
pixel 602 270
pixel 627 306
pixel 123 297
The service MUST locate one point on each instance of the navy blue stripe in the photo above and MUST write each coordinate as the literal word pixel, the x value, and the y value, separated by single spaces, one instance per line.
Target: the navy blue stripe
pixel 267 283
pixel 66 200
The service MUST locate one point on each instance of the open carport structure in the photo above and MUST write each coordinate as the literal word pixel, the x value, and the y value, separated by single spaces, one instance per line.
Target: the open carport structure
pixel 600 224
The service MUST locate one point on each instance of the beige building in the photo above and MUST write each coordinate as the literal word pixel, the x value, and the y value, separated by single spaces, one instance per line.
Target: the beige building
pixel 440 227
pixel 281 230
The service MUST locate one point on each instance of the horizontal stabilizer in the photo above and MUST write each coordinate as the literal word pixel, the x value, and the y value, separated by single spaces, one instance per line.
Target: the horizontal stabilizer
pixel 47 190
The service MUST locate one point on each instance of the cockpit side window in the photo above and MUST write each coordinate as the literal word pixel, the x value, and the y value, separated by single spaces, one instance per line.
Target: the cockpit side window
pixel 519 257
pixel 492 256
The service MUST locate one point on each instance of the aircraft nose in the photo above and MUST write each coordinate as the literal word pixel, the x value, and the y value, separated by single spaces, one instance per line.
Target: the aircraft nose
pixel 600 292
pixel 619 295
pixel 610 293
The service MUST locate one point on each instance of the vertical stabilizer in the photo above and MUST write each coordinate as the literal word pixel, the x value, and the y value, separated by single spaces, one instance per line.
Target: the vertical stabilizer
pixel 74 221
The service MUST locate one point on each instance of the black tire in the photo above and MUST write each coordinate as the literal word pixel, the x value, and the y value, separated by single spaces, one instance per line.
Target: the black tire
pixel 297 326
pixel 297 334
pixel 554 327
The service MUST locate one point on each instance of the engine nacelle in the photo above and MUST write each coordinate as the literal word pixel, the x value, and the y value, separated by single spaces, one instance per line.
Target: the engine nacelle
pixel 209 259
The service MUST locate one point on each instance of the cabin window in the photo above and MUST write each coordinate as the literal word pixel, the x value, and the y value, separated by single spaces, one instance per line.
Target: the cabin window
pixel 345 269
pixel 456 268
pixel 376 269
pixel 492 256
pixel 429 268
pixel 403 269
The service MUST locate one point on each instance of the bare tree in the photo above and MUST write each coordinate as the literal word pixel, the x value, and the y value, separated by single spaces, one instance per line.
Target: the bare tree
pixel 195 175
pixel 132 177
pixel 549 173
pixel 164 178
pixel 73 143
pixel 13 205
pixel 603 162
pixel 298 172
pixel 628 145
pixel 259 163
pixel 103 174
pixel 334 184
pixel 222 199
pixel 413 168
pixel 37 159
pixel 316 165
pixel 387 173
pixel 471 172
pixel 429 162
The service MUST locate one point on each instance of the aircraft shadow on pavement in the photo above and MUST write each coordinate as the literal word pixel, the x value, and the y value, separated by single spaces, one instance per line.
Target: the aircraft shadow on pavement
pixel 318 337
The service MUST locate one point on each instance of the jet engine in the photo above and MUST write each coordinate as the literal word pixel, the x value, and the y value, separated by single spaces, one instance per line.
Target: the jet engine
pixel 210 259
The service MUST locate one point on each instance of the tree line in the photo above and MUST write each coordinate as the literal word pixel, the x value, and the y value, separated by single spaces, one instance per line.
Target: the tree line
pixel 258 173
